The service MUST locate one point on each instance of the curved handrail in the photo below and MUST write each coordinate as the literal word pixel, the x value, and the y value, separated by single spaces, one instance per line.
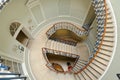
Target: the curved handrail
pixel 66 22
pixel 49 65
pixel 97 52
pixel 51 68
pixel 76 61
pixel 61 51
pixel 72 43
pixel 77 28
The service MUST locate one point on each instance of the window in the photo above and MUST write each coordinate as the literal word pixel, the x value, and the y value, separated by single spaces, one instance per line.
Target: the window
pixel 13 27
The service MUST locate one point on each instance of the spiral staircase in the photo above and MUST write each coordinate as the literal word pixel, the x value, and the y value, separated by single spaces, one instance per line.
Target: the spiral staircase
pixel 97 63
pixel 103 48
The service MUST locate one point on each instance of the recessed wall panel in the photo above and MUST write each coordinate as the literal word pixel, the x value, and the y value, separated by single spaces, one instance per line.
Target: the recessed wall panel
pixel 50 8
pixel 79 9
pixel 37 13
pixel 64 7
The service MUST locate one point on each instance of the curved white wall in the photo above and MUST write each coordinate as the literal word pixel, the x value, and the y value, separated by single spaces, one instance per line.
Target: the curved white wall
pixel 115 66
pixel 14 11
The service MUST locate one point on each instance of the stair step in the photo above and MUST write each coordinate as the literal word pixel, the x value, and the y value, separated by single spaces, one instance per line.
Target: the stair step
pixel 109 25
pixel 93 68
pixel 75 69
pixel 51 44
pixel 94 73
pixel 90 74
pixel 110 39
pixel 109 34
pixel 107 41
pixel 109 16
pixel 85 76
pixel 108 30
pixel 78 67
pixel 103 53
pixel 77 77
pixel 89 77
pixel 81 76
pixel 104 56
pixel 108 12
pixel 99 60
pixel 107 45
pixel 107 48
pixel 81 64
pixel 97 66
pixel 100 64
pixel 84 61
pixel 110 20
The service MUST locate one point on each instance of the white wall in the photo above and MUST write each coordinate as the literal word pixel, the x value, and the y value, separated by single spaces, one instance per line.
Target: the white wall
pixel 14 11
pixel 92 36
pixel 49 11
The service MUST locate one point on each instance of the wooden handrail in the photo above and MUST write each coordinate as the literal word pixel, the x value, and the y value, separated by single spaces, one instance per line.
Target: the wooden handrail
pixel 45 56
pixel 76 61
pixel 65 22
pixel 77 28
pixel 97 52
pixel 61 51
pixel 65 41
pixel 51 67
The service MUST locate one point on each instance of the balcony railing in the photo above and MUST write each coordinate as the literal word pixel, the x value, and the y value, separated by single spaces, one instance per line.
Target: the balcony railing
pixel 57 52
pixel 65 25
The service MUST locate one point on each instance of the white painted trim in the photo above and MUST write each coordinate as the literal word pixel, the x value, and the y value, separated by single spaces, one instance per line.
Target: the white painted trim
pixel 89 44
pixel 87 13
pixel 18 30
pixel 57 19
pixel 29 66
pixel 42 11
pixel 32 3
pixel 9 57
pixel 88 49
pixel 21 27
pixel 33 16
pixel 69 16
pixel 25 71
pixel 115 44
